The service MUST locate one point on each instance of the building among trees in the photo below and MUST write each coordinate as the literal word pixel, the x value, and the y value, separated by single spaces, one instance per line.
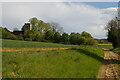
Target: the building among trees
pixel 26 27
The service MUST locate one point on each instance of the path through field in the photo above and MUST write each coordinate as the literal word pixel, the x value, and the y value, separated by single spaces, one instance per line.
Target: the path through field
pixel 29 49
pixel 108 69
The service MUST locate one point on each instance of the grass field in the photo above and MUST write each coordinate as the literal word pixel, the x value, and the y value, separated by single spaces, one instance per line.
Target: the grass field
pixel 31 44
pixel 76 62
pixel 107 46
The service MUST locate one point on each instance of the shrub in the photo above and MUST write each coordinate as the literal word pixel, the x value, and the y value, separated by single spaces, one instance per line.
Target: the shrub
pixel 91 41
pixel 7 35
pixel 28 39
pixel 82 40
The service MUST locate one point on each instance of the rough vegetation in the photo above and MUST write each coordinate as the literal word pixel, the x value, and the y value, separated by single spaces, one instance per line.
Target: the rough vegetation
pixel 117 50
pixel 7 35
pixel 77 62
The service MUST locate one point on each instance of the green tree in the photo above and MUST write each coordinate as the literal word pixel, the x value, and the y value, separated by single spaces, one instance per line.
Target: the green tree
pixel 113 33
pixel 86 35
pixel 65 38
pixel 33 21
pixel 82 41
pixel 49 35
pixel 57 37
pixel 39 29
pixel 39 37
pixel 74 38
pixel 29 36
pixel 56 27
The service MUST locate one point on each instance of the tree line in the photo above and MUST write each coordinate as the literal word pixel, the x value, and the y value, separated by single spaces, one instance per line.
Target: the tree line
pixel 113 28
pixel 51 32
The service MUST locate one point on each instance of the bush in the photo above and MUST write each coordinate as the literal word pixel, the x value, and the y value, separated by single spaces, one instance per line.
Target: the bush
pixel 117 50
pixel 82 40
pixel 7 35
pixel 20 38
pixel 91 41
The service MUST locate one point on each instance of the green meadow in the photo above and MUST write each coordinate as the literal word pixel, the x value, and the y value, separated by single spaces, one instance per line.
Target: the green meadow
pixel 76 62
pixel 32 44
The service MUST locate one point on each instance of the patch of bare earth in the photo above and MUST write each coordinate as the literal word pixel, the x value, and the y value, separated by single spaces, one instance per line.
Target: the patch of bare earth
pixel 29 49
pixel 108 69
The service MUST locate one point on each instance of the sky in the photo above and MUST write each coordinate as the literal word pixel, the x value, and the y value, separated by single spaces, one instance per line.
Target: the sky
pixel 72 16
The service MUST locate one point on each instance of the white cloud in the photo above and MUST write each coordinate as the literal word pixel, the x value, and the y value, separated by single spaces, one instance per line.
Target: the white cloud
pixel 60 0
pixel 0 13
pixel 71 16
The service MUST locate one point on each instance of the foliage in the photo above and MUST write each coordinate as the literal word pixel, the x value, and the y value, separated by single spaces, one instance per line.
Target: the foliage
pixel 57 37
pixel 20 37
pixel 86 35
pixel 82 40
pixel 49 35
pixel 51 32
pixel 42 31
pixel 74 38
pixel 117 50
pixel 56 27
pixel 65 38
pixel 113 33
pixel 7 35
pixel 91 41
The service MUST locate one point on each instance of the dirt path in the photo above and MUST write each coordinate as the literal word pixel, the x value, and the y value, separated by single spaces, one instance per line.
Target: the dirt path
pixel 29 49
pixel 108 69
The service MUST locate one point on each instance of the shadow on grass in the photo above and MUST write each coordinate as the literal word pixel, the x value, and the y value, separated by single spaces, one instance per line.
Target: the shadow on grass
pixel 112 61
pixel 98 58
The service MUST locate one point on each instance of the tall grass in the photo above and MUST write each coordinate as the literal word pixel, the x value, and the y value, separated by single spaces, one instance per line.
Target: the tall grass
pixel 77 62
pixel 73 63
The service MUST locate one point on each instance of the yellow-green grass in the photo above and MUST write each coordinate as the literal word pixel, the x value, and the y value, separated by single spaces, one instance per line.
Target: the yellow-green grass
pixel 108 46
pixel 82 62
pixel 104 44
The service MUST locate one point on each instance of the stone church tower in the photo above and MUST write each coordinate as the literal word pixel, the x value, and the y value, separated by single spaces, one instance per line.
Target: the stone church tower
pixel 27 26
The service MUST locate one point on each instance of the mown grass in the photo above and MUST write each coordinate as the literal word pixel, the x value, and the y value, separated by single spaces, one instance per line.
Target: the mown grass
pixel 31 44
pixel 107 46
pixel 82 62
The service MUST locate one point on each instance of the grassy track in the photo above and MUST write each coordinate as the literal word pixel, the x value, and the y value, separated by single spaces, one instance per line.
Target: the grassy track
pixel 77 62
pixel 117 50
